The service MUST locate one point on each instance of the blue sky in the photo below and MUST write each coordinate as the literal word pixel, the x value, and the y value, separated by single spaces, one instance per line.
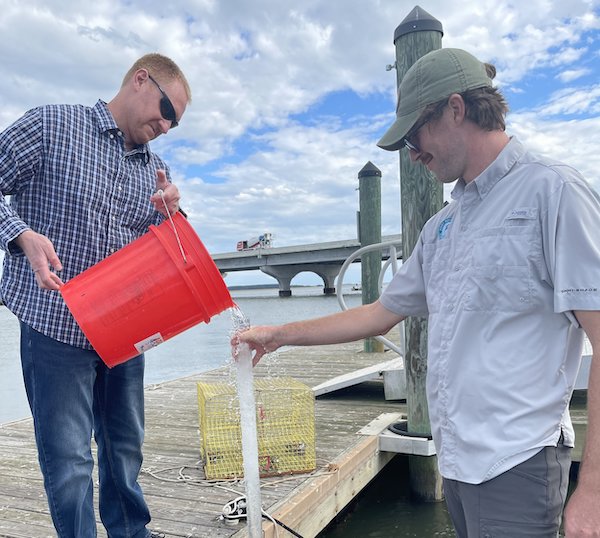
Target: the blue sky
pixel 291 97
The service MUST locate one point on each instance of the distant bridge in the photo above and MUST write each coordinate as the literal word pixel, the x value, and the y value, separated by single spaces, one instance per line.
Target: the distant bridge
pixel 284 263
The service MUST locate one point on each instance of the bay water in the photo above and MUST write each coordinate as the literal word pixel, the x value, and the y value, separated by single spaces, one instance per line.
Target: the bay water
pixel 385 509
pixel 199 349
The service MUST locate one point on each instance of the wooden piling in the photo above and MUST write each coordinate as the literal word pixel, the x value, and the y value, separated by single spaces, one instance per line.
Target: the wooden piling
pixel 369 187
pixel 421 197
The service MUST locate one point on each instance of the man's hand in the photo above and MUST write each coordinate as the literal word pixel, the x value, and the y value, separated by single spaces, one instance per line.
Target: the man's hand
pixel 170 193
pixel 260 340
pixel 582 518
pixel 346 326
pixel 40 252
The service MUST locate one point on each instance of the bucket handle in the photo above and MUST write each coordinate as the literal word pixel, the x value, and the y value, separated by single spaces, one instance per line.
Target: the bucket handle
pixel 162 196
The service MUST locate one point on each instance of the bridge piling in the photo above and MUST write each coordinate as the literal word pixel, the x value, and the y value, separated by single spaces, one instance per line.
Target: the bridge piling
pixel 285 274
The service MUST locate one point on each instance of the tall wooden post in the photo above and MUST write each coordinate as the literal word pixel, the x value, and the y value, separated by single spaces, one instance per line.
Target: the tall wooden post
pixel 421 197
pixel 369 229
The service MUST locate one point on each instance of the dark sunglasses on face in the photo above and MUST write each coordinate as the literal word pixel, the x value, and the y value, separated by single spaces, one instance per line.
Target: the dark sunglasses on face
pixel 167 110
pixel 433 114
pixel 411 145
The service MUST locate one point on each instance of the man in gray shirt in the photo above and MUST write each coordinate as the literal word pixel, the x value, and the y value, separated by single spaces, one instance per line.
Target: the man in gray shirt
pixel 508 275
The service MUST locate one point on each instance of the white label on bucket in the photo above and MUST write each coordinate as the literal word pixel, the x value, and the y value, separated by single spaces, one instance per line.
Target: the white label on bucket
pixel 149 343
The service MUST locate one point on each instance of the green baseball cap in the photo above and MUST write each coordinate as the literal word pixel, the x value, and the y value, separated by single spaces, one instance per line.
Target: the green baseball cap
pixel 430 79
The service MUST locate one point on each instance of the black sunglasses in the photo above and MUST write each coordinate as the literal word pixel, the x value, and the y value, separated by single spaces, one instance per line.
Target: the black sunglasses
pixel 167 110
pixel 413 146
pixel 430 116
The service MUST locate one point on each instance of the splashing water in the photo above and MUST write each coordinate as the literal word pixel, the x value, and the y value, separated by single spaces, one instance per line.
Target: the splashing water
pixel 238 318
pixel 245 390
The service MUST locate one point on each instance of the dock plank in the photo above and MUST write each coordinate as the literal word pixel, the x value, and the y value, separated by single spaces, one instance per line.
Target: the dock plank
pixel 182 502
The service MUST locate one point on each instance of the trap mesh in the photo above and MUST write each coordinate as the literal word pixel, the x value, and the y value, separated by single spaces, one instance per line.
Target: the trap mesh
pixel 285 417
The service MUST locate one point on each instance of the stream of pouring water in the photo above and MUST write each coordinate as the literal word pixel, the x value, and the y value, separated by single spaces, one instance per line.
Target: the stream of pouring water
pixel 245 390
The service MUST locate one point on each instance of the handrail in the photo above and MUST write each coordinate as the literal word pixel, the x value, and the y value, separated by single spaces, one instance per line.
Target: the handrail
pixel 393 261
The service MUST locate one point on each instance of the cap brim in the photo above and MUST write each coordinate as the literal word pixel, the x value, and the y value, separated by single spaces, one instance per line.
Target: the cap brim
pixel 392 139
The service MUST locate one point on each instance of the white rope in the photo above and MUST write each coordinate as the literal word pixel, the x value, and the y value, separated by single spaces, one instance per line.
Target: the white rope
pixel 162 196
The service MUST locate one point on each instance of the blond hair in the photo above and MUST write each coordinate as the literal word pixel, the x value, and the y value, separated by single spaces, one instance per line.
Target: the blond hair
pixel 163 69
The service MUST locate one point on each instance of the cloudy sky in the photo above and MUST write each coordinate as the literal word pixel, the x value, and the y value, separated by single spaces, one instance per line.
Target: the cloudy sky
pixel 290 98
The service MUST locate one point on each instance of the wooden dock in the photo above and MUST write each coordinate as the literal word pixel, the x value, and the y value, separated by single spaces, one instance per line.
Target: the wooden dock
pixel 181 501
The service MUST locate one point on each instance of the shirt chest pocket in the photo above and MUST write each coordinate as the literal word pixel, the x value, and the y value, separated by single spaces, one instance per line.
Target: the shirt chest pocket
pixel 502 262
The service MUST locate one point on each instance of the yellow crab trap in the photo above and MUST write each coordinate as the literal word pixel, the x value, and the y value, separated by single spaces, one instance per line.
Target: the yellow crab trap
pixel 285 419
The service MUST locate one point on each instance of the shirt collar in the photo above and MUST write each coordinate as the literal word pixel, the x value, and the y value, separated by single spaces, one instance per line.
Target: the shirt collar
pixel 500 166
pixel 107 124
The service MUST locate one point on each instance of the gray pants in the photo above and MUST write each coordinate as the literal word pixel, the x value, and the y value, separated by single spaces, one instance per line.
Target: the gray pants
pixel 524 502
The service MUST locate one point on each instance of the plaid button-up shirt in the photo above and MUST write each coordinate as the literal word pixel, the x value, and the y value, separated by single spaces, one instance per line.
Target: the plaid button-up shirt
pixel 70 178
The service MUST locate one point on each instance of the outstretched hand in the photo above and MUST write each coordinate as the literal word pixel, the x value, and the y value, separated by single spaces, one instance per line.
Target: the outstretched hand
pixel 582 519
pixel 42 257
pixel 170 193
pixel 259 339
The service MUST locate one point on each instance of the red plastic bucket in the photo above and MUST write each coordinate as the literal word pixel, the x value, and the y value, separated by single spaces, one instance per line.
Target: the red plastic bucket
pixel 147 292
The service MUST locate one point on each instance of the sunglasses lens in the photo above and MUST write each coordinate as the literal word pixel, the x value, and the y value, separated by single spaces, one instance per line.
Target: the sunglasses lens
pixel 408 145
pixel 167 111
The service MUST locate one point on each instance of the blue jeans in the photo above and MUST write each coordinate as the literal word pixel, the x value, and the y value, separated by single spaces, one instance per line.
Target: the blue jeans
pixel 72 393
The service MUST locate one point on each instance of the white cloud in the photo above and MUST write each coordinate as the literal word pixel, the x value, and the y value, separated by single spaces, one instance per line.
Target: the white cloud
pixel 259 70
pixel 584 100
pixel 567 141
pixel 573 74
pixel 301 187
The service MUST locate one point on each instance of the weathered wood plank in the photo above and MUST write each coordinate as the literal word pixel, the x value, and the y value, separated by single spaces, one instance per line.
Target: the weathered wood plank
pixel 324 497
pixel 191 507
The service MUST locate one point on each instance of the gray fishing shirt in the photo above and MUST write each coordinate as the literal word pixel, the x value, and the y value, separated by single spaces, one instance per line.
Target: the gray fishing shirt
pixel 498 272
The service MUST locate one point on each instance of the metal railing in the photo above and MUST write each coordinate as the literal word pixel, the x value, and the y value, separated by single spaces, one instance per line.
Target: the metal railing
pixel 391 261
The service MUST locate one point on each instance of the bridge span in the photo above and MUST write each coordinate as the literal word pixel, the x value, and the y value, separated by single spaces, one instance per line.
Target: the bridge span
pixel 284 263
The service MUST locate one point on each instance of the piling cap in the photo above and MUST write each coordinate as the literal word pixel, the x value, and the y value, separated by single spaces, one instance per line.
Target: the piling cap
pixel 430 79
pixel 418 20
pixel 369 170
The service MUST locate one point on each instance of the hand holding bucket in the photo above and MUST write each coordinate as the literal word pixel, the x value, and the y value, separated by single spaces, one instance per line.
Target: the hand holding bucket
pixel 149 291
pixel 166 197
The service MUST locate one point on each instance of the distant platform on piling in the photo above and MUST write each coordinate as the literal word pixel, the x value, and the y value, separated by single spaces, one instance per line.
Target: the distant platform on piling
pixel 183 503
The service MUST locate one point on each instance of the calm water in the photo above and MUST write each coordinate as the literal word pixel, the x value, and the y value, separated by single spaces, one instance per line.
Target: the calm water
pixel 201 348
pixel 384 510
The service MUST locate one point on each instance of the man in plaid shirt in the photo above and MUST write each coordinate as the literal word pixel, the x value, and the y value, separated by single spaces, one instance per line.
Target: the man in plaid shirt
pixel 82 183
